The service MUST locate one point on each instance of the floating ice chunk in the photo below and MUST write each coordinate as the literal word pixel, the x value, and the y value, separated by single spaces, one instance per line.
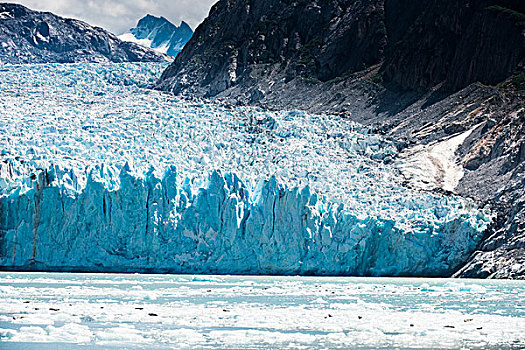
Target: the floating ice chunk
pixel 70 333
pixel 121 334
pixel 7 333
pixel 319 301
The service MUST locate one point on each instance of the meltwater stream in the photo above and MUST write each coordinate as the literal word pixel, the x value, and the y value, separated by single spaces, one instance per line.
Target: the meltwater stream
pixel 100 311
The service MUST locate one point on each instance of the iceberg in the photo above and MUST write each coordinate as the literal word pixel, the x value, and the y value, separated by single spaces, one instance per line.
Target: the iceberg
pixel 99 173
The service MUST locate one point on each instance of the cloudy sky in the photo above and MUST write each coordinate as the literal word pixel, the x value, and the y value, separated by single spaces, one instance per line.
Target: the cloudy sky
pixel 118 16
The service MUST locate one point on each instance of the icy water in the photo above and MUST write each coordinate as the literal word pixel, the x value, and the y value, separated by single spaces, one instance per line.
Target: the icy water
pixel 99 311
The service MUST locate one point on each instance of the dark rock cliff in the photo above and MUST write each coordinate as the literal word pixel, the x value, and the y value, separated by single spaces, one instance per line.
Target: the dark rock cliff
pixel 417 44
pixel 319 40
pixel 456 42
pixel 419 71
pixel 28 36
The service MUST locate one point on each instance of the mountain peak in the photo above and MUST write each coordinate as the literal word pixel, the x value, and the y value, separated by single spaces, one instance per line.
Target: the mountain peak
pixel 151 21
pixel 185 25
pixel 159 34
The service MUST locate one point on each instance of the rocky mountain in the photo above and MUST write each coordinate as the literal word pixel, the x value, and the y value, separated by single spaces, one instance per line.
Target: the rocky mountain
pixel 159 34
pixel 438 76
pixel 28 36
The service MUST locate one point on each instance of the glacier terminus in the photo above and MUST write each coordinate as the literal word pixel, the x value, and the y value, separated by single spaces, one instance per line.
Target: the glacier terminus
pixel 99 173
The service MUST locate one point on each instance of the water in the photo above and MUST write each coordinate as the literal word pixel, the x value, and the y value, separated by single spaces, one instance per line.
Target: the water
pixel 99 311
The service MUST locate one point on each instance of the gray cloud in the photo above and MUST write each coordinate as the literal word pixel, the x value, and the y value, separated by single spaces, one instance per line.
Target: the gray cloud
pixel 118 16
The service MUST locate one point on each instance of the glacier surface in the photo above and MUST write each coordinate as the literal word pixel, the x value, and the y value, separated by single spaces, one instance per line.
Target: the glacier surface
pixel 99 173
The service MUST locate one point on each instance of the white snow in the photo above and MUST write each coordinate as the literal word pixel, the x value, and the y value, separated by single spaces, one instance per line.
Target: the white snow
pixel 41 37
pixel 435 165
pixel 146 42
pixel 5 15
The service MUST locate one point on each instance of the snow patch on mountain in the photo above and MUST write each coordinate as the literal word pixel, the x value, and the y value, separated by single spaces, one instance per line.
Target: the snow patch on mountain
pixel 131 38
pixel 435 165
pixel 5 14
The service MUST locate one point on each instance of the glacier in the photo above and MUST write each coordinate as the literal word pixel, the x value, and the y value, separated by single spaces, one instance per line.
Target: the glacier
pixel 100 173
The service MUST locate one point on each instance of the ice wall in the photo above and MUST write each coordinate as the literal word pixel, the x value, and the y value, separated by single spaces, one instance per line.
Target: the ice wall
pixel 152 224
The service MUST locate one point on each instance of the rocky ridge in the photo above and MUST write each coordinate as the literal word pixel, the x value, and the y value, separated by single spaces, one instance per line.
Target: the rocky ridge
pixel 28 36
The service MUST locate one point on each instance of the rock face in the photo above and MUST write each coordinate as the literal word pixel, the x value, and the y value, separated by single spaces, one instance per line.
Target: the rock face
pixel 317 39
pixel 159 34
pixel 417 45
pixel 455 42
pixel 28 36
pixel 421 72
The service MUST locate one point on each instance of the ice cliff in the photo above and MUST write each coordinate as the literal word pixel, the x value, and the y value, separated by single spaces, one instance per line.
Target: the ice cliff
pixel 98 173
